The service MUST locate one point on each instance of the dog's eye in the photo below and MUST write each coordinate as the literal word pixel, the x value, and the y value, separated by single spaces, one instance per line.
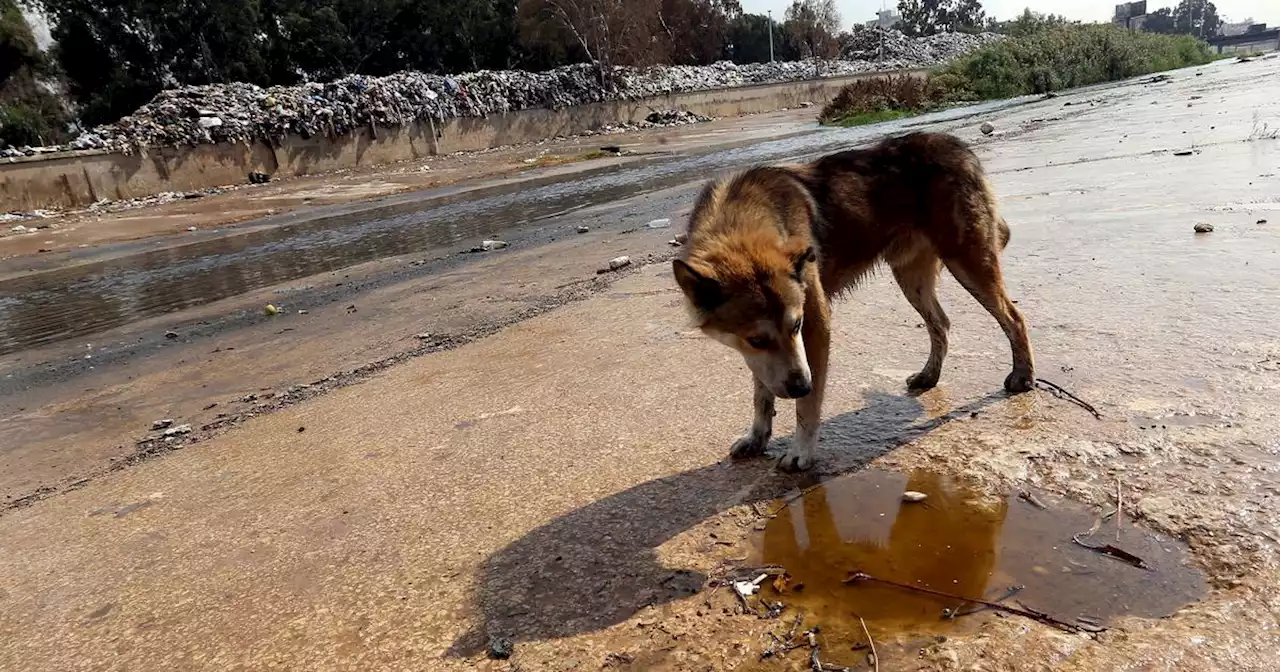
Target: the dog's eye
pixel 796 329
pixel 759 342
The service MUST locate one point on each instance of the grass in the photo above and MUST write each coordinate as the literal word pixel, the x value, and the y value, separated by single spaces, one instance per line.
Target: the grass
pixel 864 118
pixel 562 159
pixel 1057 58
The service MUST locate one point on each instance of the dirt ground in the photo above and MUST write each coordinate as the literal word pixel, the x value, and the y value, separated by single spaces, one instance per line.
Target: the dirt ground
pixel 549 467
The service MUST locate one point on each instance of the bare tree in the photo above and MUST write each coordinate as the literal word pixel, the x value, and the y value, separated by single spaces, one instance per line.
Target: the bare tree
pixel 607 32
pixel 812 27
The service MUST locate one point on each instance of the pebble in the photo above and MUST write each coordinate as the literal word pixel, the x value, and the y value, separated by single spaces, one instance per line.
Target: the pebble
pixel 682 238
pixel 178 431
pixel 913 496
pixel 161 424
pixel 491 245
pixel 1204 228
pixel 271 310
pixel 500 648
pixel 619 262
pixel 987 128
pixel 171 334
pixel 191 228
pixel 583 229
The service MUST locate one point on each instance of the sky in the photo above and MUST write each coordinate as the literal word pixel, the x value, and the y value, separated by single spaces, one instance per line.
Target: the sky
pixel 860 11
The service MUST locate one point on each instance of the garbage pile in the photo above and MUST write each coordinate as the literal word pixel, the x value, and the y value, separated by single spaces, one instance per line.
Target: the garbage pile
pixel 897 50
pixel 241 113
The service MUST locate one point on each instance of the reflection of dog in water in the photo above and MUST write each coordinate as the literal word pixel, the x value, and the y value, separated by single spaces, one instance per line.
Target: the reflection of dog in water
pixel 770 247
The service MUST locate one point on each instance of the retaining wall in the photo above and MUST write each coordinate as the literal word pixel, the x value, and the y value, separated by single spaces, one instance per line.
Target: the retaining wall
pixel 73 179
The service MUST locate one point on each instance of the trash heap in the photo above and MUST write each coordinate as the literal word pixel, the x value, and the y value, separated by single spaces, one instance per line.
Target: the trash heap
pixel 241 113
pixel 865 44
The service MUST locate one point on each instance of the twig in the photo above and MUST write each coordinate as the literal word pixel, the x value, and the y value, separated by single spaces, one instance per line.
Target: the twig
pixel 952 614
pixel 1030 498
pixel 875 658
pixel 1119 508
pixel 1028 613
pixel 1061 393
pixel 1117 553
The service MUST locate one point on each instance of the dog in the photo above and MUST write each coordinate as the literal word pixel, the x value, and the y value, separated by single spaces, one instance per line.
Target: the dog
pixel 770 248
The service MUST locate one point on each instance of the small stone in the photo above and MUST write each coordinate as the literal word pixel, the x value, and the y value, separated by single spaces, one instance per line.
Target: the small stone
pixel 302 312
pixel 271 310
pixel 682 238
pixel 500 648
pixel 170 335
pixel 191 228
pixel 19 229
pixel 491 245
pixel 424 336
pixel 913 496
pixel 178 431
pixel 1204 228
pixel 673 243
pixel 987 128
pixel 161 424
pixel 583 229
pixel 1262 221
pixel 659 223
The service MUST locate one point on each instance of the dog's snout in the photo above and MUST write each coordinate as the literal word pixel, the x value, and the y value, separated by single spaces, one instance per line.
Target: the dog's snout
pixel 798 386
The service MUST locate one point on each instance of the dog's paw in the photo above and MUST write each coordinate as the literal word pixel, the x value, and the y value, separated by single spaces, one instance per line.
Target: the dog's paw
pixel 751 445
pixel 1019 382
pixel 925 380
pixel 795 462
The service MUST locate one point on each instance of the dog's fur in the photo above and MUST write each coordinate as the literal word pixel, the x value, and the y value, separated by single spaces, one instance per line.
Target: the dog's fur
pixel 769 248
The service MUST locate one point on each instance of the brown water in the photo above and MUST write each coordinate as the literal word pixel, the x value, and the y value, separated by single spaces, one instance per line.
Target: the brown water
pixel 963 543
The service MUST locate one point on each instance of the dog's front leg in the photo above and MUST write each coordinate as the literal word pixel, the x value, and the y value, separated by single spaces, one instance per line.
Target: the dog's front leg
pixel 817 344
pixel 757 439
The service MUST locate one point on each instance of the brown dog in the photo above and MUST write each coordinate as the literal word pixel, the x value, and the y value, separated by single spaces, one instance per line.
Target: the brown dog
pixel 769 248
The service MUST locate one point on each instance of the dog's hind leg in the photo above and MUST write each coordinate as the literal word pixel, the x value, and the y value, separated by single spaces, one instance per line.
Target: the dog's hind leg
pixel 918 278
pixel 757 439
pixel 979 272
pixel 817 347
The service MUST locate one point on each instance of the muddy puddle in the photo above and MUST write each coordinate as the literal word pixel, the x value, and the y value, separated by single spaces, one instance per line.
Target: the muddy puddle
pixel 960 542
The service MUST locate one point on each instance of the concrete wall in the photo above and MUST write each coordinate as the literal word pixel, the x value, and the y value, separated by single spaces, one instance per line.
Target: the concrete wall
pixel 76 179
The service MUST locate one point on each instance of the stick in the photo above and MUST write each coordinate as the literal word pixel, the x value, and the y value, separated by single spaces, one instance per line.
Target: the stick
pixel 875 658
pixel 1119 507
pixel 1061 393
pixel 1028 613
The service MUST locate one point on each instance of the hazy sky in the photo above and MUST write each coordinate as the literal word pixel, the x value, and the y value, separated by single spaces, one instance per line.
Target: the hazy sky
pixel 858 11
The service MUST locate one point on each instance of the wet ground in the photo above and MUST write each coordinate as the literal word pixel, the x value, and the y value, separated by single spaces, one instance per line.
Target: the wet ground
pixel 449 448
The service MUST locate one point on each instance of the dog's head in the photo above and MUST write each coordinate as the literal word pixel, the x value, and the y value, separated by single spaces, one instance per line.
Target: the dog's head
pixel 745 282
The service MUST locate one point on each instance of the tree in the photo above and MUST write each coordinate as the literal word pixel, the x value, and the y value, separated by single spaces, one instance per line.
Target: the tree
pixel 29 113
pixel 1160 21
pixel 811 28
pixel 749 40
pixel 927 17
pixel 695 32
pixel 1027 23
pixel 1197 17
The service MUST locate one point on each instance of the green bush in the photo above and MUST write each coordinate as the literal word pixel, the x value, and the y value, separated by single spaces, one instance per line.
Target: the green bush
pixel 1068 56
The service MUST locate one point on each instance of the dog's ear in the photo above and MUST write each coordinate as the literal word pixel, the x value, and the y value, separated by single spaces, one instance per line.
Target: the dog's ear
pixel 800 261
pixel 704 292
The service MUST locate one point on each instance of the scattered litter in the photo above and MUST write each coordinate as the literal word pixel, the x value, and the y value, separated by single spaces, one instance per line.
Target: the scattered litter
pixel 1030 498
pixel 895 50
pixel 423 336
pixel 171 335
pixel 489 246
pixel 913 496
pixel 1203 227
pixel 191 228
pixel 1262 221
pixel 1185 152
pixel 302 312
pixel 259 178
pixel 583 229
pixel 616 264
pixel 682 238
pixel 612 149
pixel 987 128
pixel 161 424
pixel 659 224
pixel 673 243
pixel 270 310
pixel 749 588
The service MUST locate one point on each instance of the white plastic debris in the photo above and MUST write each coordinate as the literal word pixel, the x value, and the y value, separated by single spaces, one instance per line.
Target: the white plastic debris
pixel 659 224
pixel 749 588
pixel 619 262
pixel 490 245
pixel 913 496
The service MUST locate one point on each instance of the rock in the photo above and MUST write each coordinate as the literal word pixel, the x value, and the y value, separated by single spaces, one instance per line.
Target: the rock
pixel 177 431
pixel 1262 221
pixel 583 229
pixel 1204 228
pixel 682 238
pixel 424 336
pixel 987 128
pixel 1185 152
pixel 615 264
pixel 19 229
pixel 270 310
pixel 259 178
pixel 673 242
pixel 302 312
pixel 913 496
pixel 191 228
pixel 170 335
pixel 161 424
pixel 491 245
pixel 659 224
pixel 500 648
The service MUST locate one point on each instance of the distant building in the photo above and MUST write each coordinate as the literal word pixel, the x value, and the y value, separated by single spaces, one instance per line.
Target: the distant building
pixel 1256 39
pixel 1230 29
pixel 885 19
pixel 1131 15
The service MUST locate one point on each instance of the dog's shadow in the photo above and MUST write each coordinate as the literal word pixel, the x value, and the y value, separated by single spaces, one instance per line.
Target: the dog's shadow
pixel 596 566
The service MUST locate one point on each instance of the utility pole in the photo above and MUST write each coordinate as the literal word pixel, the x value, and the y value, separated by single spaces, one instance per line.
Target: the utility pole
pixel 771 36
